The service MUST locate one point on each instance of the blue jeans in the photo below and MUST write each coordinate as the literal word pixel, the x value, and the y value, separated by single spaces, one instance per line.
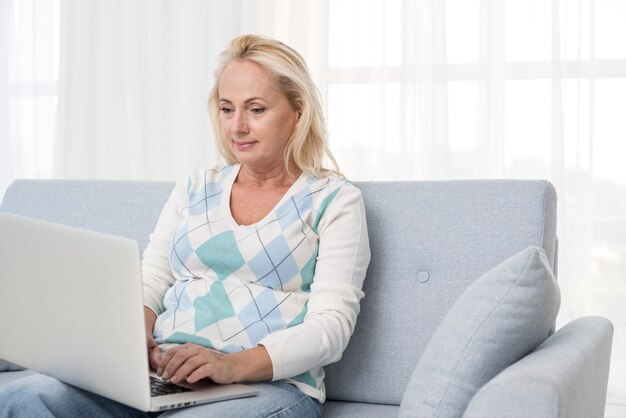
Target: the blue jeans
pixel 42 396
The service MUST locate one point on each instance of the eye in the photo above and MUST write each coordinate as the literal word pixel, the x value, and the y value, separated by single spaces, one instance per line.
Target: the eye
pixel 226 110
pixel 257 110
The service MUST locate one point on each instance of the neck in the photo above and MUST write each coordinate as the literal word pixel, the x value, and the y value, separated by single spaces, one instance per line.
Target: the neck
pixel 274 176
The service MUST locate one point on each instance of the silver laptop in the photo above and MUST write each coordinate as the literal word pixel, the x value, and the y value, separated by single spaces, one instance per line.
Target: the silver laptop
pixel 71 307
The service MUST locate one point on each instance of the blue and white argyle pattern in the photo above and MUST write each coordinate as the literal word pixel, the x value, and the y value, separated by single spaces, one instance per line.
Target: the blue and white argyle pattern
pixel 235 284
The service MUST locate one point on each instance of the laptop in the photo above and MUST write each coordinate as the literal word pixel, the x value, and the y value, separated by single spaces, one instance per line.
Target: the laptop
pixel 71 307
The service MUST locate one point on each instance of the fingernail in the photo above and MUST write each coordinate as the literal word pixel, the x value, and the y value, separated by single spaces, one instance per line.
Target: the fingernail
pixel 159 371
pixel 165 375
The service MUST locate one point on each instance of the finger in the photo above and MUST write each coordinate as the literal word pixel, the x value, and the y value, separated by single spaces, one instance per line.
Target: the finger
pixel 150 341
pixel 218 368
pixel 207 370
pixel 166 356
pixel 170 351
pixel 191 365
pixel 218 371
pixel 173 359
pixel 154 356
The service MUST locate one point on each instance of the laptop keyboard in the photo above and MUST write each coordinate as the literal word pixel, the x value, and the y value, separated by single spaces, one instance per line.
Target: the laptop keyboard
pixel 160 387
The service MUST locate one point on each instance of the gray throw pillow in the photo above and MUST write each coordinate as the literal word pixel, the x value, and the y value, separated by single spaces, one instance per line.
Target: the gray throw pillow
pixel 498 319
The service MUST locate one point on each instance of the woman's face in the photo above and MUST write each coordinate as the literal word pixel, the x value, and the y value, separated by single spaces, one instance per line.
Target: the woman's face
pixel 255 116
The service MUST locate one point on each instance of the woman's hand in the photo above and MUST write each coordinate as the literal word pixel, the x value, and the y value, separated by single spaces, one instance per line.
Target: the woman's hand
pixel 154 353
pixel 191 363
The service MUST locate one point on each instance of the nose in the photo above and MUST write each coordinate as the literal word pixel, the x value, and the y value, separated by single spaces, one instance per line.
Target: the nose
pixel 240 124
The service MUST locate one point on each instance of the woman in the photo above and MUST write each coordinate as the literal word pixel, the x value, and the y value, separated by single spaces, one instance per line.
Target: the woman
pixel 254 270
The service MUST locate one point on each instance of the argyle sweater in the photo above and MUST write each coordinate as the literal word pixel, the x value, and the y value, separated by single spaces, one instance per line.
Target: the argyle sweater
pixel 291 282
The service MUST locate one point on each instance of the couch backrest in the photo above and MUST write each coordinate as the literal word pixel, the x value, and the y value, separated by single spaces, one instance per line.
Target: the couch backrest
pixel 126 208
pixel 429 241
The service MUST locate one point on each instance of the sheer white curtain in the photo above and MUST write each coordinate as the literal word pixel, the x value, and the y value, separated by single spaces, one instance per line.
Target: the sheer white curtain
pixel 6 157
pixel 29 43
pixel 413 89
pixel 135 77
pixel 427 89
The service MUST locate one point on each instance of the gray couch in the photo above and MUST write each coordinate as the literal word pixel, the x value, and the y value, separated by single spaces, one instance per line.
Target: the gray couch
pixel 430 241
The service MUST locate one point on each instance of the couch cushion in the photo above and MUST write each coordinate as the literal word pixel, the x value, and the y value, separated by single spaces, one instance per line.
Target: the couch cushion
pixel 126 208
pixel 429 242
pixel 500 318
pixel 338 409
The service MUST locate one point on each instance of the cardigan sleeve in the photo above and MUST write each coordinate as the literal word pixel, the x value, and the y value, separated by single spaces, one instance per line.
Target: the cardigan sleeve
pixel 156 270
pixel 333 305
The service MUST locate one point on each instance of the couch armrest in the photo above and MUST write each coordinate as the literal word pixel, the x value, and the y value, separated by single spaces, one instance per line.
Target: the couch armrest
pixel 566 376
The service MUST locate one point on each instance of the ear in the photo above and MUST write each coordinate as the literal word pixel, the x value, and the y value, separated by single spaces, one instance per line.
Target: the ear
pixel 297 119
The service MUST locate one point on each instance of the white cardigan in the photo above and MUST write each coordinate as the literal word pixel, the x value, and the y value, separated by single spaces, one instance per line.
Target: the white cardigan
pixel 291 282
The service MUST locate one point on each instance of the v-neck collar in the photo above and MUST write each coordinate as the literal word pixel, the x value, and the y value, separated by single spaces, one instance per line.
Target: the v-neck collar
pixel 227 192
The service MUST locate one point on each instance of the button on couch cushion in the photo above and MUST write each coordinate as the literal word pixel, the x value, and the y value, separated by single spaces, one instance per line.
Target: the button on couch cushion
pixel 500 318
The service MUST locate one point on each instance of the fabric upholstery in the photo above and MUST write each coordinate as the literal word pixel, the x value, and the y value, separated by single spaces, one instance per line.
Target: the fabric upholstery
pixel 339 409
pixel 126 208
pixel 429 241
pixel 7 366
pixel 565 377
pixel 500 318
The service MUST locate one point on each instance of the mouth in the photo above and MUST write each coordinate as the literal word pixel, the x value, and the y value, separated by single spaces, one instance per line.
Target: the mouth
pixel 244 145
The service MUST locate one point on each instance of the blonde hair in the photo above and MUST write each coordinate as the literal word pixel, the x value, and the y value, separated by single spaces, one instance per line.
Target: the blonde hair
pixel 308 144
